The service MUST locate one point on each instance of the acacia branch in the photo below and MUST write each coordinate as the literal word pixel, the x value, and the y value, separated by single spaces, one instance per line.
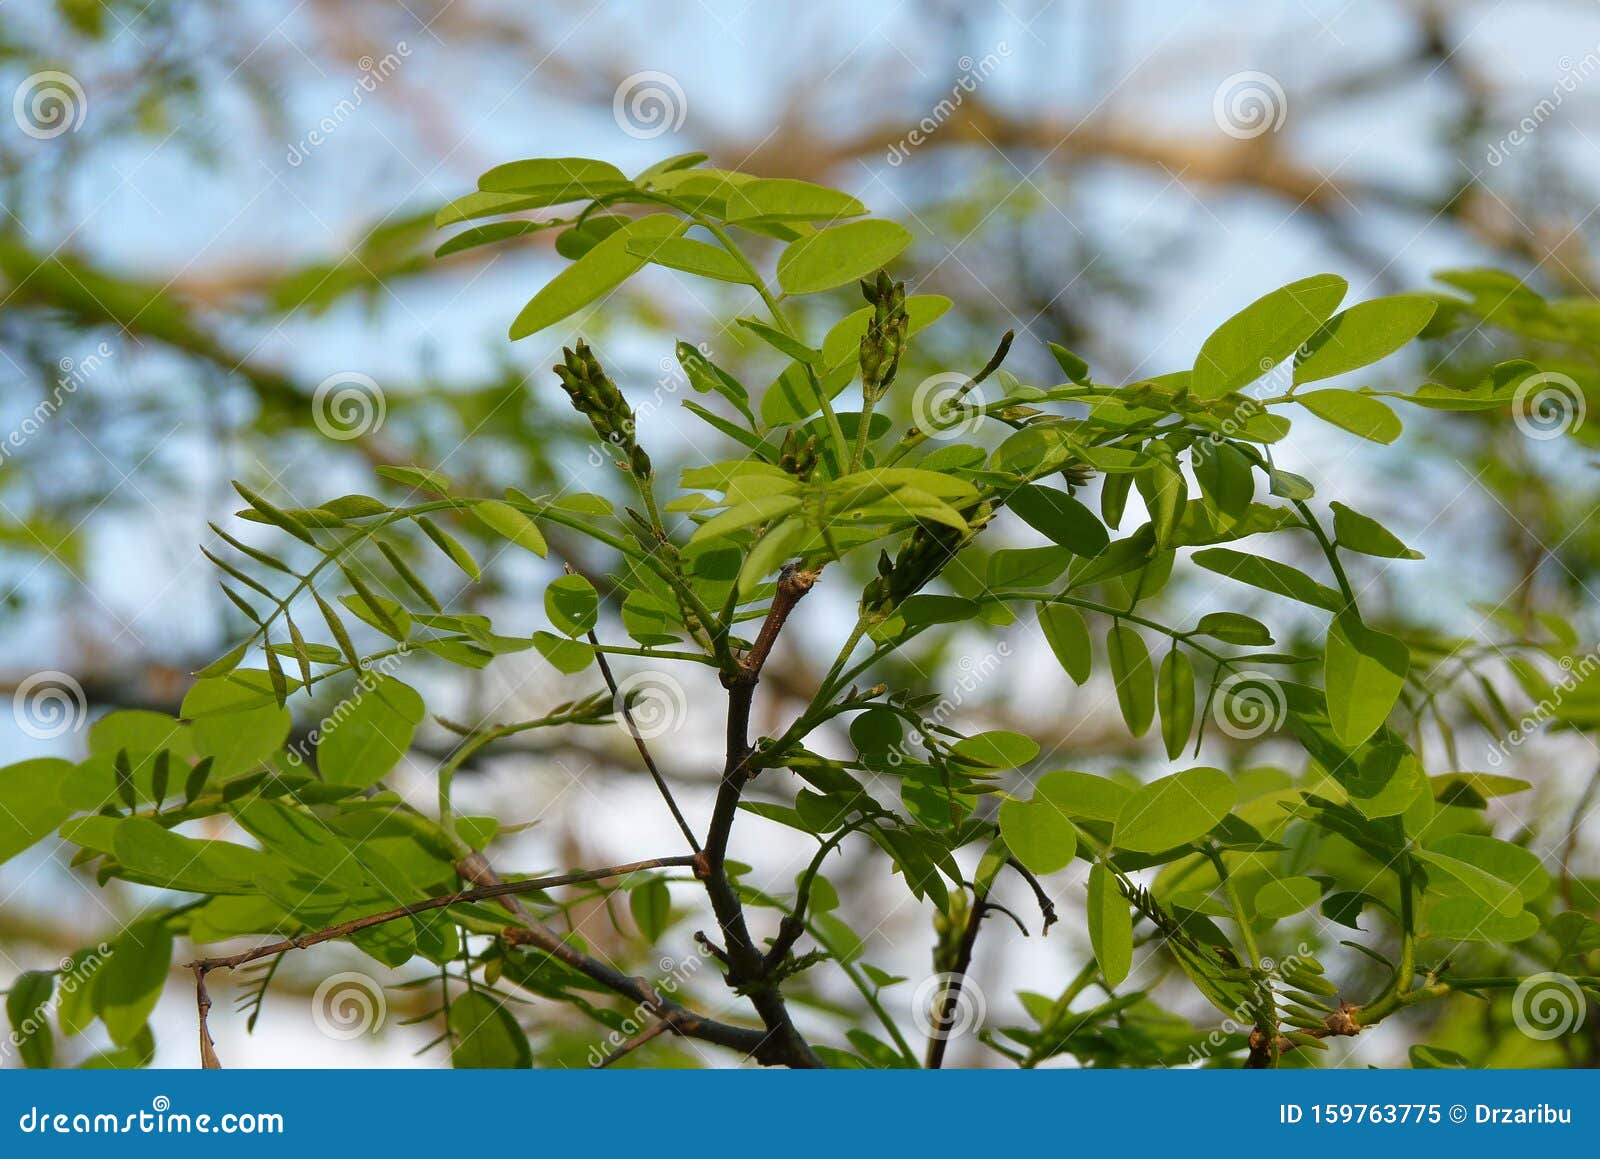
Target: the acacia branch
pixel 945 1017
pixel 533 932
pixel 746 967
pixel 494 889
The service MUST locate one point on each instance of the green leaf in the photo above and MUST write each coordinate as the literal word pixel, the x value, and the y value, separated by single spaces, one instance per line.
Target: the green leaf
pixel 1133 675
pixel 1436 1058
pixel 1518 867
pixel 31 807
pixel 1263 334
pixel 651 906
pixel 594 275
pixel 1110 925
pixel 1360 414
pixel 572 605
pixel 1362 335
pixel 1363 673
pixel 236 721
pixel 1173 811
pixel 495 231
pixel 511 523
pixel 1234 628
pixel 1498 895
pixel 1060 517
pixel 484 1035
pixel 554 180
pixel 1175 698
pixel 1281 897
pixel 167 859
pixel 692 257
pixel 996 750
pixel 446 543
pixel 1075 368
pixel 1225 476
pixel 786 199
pixel 1083 794
pixel 1068 636
pixel 705 375
pixel 760 510
pixel 128 985
pixel 369 732
pixel 476 205
pixel 566 656
pixel 838 255
pixel 1466 918
pixel 1360 533
pixel 1269 575
pixel 1027 567
pixel 1038 834
pixel 28 1008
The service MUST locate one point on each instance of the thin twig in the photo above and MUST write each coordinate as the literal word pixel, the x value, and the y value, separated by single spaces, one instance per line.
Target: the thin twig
pixel 479 893
pixel 532 932
pixel 1047 908
pixel 634 1043
pixel 621 705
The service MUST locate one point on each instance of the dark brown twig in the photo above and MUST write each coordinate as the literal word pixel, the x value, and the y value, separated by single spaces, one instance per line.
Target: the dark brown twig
pixel 745 965
pixel 533 932
pixel 1047 908
pixel 945 1017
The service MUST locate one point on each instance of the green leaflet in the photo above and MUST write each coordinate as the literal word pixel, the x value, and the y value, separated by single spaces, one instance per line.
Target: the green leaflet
pixel 31 804
pixel 600 270
pixel 1175 698
pixel 1362 335
pixel 839 255
pixel 1038 834
pixel 1363 673
pixel 370 732
pixel 484 1035
pixel 1173 811
pixel 572 605
pixel 1134 677
pixel 1068 635
pixel 1360 414
pixel 1263 334
pixel 1110 925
